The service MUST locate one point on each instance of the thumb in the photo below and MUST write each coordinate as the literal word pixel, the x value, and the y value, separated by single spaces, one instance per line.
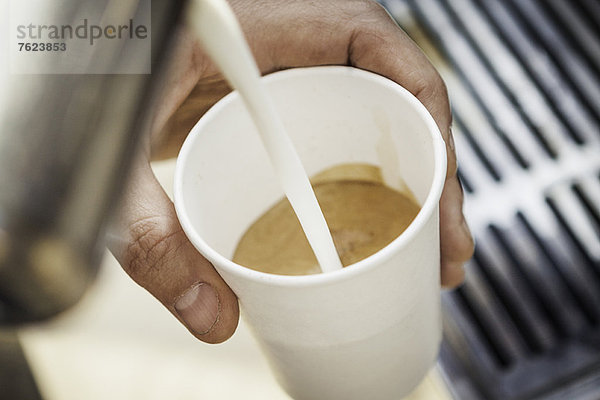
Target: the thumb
pixel 149 243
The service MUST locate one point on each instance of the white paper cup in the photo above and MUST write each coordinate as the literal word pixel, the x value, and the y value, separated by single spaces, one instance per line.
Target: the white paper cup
pixel 368 331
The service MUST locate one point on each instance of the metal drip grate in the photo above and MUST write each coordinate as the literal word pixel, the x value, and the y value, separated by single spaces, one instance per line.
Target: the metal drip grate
pixel 524 81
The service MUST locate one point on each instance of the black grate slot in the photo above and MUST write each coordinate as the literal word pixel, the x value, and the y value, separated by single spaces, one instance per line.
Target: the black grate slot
pixel 533 128
pixel 485 161
pixel 538 333
pixel 498 298
pixel 472 338
pixel 588 260
pixel 586 202
pixel 555 57
pixel 521 161
pixel 589 10
pixel 562 268
pixel 471 306
pixel 570 24
pixel 464 182
pixel 510 146
pixel 511 299
pixel 558 51
pixel 541 73
pixel 554 301
pixel 431 24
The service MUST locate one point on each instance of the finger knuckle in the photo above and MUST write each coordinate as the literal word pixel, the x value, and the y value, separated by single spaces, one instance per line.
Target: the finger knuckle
pixel 431 89
pixel 430 85
pixel 153 243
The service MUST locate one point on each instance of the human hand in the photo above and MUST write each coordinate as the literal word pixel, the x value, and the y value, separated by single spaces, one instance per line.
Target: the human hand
pixel 147 238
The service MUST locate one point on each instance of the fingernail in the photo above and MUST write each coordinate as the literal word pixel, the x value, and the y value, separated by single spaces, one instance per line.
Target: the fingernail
pixel 451 144
pixel 199 308
pixel 460 185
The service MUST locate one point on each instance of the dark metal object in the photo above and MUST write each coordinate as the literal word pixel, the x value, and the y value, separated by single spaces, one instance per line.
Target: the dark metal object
pixel 16 380
pixel 524 80
pixel 65 148
pixel 66 144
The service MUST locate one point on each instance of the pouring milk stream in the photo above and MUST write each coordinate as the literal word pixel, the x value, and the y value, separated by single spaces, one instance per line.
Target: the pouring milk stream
pixel 222 38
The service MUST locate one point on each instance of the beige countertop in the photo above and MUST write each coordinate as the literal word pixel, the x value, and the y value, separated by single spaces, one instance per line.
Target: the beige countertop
pixel 119 343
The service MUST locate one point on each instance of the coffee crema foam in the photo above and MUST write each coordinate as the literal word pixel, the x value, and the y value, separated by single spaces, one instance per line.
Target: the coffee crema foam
pixel 363 214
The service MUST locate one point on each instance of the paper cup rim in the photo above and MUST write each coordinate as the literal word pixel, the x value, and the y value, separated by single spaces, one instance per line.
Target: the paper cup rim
pixel 429 206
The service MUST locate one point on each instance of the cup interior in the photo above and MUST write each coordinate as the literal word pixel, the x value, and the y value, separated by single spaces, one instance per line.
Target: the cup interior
pixel 334 115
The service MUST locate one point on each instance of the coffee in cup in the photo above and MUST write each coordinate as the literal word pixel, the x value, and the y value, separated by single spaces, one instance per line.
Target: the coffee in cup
pixel 363 215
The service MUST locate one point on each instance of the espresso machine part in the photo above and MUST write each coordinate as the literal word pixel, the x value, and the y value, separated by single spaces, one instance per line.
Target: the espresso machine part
pixel 524 82
pixel 66 142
